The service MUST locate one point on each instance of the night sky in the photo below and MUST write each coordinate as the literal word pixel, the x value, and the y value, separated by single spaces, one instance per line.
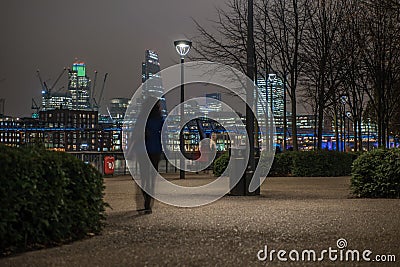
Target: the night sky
pixel 110 36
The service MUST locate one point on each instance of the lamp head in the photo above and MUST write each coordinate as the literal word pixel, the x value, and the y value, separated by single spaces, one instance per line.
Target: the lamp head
pixel 343 99
pixel 183 47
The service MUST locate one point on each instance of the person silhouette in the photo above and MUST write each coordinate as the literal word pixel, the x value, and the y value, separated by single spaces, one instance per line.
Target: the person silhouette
pixel 207 148
pixel 148 164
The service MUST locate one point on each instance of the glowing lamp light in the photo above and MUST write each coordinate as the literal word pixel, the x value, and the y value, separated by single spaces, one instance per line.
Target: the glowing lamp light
pixel 183 47
pixel 344 99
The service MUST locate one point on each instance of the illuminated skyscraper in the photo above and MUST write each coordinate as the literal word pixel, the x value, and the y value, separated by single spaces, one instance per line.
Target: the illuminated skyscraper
pixel 150 73
pixel 273 91
pixel 79 87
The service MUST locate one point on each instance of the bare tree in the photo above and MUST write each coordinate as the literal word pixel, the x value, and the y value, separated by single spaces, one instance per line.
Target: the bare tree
pixel 323 65
pixel 285 30
pixel 227 41
pixel 381 53
pixel 355 80
pixel 328 47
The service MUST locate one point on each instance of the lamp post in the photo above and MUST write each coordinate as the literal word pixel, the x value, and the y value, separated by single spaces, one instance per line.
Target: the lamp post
pixel 343 99
pixel 271 81
pixel 182 48
pixel 368 124
pixel 348 115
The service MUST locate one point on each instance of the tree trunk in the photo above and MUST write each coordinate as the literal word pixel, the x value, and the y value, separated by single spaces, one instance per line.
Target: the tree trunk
pixel 360 136
pixel 320 121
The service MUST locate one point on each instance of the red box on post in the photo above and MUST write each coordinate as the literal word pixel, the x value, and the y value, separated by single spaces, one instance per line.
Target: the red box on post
pixel 109 163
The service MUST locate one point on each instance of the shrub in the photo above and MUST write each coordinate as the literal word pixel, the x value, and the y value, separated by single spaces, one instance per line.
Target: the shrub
pixel 312 163
pixel 220 164
pixel 282 164
pixel 302 164
pixel 322 163
pixel 377 174
pixel 47 198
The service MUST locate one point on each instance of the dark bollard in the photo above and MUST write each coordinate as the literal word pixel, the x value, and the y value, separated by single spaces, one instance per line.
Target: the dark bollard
pixel 239 164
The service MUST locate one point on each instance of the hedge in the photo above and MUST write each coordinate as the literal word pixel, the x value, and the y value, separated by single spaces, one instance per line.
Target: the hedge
pixel 47 198
pixel 282 164
pixel 303 164
pixel 377 174
pixel 322 163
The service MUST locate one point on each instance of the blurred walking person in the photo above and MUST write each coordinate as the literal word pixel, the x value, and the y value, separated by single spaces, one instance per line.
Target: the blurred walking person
pixel 149 156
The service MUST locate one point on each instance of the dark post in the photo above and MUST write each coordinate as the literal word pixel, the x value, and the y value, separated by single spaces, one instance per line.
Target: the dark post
pixel 344 128
pixel 182 47
pixel 284 114
pixel 241 188
pixel 343 100
pixel 181 136
pixel 368 136
pixel 250 94
pixel 348 131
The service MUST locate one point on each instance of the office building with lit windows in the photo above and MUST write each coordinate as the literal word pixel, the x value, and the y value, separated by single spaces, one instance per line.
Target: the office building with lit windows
pixel 79 87
pixel 56 101
pixel 151 75
pixel 9 134
pixel 62 130
pixel 117 108
pixel 272 90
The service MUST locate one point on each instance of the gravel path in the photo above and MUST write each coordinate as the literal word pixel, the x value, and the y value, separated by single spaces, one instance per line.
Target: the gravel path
pixel 291 213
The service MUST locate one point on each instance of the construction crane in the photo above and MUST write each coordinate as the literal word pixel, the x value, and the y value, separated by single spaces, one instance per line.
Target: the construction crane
pixel 36 108
pixel 98 102
pixel 2 106
pixel 102 88
pixel 57 80
pixel 45 89
pixel 43 85
pixel 94 88
pixel 2 101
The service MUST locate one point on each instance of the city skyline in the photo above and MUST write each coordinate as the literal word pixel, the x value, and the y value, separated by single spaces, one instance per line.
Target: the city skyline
pixel 109 37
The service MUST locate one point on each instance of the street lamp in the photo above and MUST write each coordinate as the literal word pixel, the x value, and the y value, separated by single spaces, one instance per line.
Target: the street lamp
pixel 343 99
pixel 368 129
pixel 182 48
pixel 348 115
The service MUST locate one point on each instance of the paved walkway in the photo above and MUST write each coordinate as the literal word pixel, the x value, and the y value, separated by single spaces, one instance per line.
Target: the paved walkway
pixel 291 213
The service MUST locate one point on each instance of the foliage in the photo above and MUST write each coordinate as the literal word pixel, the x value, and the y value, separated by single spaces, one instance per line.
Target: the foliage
pixel 322 163
pixel 312 163
pixel 303 164
pixel 282 164
pixel 377 174
pixel 220 164
pixel 47 198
